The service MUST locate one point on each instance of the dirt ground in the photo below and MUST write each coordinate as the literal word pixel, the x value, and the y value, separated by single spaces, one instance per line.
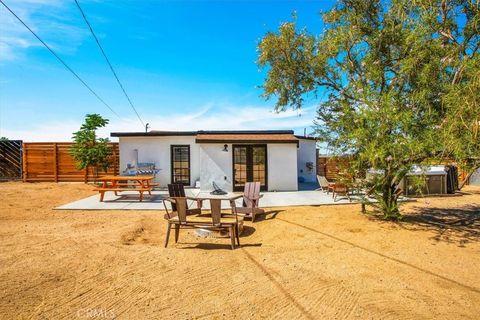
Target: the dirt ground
pixel 328 262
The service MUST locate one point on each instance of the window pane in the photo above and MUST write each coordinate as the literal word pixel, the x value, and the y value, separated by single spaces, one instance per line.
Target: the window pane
pixel 240 165
pixel 181 164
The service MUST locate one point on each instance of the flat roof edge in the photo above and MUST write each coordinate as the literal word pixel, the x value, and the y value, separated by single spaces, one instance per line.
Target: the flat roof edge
pixel 245 132
pixel 305 138
pixel 194 133
pixel 251 141
pixel 153 134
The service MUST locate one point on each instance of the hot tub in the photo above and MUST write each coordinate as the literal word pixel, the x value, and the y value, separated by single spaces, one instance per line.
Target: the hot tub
pixel 433 180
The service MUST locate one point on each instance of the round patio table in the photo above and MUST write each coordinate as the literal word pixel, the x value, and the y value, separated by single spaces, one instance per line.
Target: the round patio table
pixel 216 212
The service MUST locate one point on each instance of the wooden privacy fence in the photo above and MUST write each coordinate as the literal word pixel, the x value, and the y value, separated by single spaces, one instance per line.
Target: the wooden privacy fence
pixel 51 161
pixel 330 166
pixel 11 160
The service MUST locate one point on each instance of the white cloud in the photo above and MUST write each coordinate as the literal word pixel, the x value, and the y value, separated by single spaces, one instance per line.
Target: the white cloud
pixel 211 117
pixel 50 19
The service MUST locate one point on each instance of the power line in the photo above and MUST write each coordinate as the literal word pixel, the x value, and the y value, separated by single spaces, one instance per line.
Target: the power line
pixel 60 59
pixel 108 62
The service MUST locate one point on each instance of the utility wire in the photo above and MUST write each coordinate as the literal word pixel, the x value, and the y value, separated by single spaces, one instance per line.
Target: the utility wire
pixel 60 59
pixel 109 64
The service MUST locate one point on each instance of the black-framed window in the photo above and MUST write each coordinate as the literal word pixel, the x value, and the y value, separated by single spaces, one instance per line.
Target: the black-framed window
pixel 180 161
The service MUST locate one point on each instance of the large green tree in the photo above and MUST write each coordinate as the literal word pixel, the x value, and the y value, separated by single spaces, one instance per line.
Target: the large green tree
pixel 87 149
pixel 461 95
pixel 398 77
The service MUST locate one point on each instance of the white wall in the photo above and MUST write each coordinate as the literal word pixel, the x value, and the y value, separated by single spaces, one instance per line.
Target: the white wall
pixel 208 162
pixel 475 178
pixel 157 149
pixel 307 152
pixel 216 165
pixel 282 166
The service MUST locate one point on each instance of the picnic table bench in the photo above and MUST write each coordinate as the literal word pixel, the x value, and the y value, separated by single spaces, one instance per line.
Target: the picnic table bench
pixel 117 184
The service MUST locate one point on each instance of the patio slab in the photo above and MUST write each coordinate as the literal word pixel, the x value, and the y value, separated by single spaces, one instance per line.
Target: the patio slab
pixel 128 200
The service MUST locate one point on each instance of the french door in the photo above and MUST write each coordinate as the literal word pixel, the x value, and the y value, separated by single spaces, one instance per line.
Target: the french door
pixel 180 161
pixel 249 165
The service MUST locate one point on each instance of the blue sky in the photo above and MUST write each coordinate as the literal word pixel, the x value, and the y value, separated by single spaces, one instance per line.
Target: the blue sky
pixel 187 65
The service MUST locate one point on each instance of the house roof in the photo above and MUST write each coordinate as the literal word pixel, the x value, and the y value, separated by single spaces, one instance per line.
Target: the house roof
pixel 306 138
pixel 247 137
pixel 232 136
pixel 153 133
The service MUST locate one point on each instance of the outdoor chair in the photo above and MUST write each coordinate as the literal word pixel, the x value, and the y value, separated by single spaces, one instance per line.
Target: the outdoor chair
pixel 178 190
pixel 251 197
pixel 215 222
pixel 340 189
pixel 325 185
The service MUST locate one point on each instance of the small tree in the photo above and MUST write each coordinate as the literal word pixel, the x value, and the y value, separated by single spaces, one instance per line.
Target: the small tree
pixel 398 77
pixel 88 150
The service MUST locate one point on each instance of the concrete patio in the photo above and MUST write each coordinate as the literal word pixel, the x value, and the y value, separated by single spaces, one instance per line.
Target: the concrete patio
pixel 128 200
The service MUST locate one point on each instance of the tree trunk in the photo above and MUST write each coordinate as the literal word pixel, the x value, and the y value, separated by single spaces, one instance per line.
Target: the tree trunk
pixel 85 178
pixel 469 174
pixel 95 174
pixel 389 197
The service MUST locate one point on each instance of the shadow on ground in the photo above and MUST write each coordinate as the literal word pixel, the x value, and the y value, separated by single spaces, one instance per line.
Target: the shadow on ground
pixel 457 226
pixel 133 198
pixel 268 215
pixel 215 246
pixel 247 231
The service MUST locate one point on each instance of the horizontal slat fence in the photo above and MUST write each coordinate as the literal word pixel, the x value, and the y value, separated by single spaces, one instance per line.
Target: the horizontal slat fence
pixel 330 166
pixel 10 159
pixel 52 162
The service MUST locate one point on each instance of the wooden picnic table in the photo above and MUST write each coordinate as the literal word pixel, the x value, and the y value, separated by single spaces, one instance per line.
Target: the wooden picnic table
pixel 126 183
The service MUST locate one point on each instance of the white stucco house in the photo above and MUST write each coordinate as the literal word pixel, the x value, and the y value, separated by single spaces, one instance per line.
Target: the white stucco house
pixel 276 158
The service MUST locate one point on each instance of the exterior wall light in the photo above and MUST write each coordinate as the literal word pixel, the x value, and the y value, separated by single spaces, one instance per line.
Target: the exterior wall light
pixel 225 148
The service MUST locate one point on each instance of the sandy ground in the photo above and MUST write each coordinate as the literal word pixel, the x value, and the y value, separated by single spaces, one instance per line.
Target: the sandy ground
pixel 327 262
